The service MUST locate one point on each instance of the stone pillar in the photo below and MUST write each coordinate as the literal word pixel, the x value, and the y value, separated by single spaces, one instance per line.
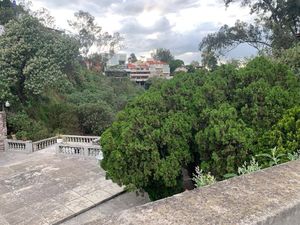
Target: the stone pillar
pixel 3 130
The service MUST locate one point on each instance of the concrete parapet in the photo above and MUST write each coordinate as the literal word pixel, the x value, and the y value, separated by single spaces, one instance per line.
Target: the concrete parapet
pixel 270 196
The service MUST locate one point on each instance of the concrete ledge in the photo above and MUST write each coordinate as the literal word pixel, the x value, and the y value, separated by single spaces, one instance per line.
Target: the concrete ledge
pixel 88 208
pixel 270 196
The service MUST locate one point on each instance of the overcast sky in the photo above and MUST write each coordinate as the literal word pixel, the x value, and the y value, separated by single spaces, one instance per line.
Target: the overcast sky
pixel 178 25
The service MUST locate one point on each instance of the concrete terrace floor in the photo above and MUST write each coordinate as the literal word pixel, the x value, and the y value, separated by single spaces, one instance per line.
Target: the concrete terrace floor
pixel 44 188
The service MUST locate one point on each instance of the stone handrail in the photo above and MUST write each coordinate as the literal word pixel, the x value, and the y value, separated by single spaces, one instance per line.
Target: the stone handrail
pixel 42 144
pixel 79 139
pixel 78 150
pixel 18 146
pixel 96 141
pixel 270 196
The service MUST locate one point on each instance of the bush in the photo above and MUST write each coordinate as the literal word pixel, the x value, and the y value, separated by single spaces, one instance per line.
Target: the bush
pixel 202 179
pixel 285 134
pixel 26 128
pixel 294 156
pixel 62 118
pixel 250 167
pixel 95 118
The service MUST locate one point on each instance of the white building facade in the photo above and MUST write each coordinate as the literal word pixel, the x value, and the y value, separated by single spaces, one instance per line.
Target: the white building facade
pixel 140 72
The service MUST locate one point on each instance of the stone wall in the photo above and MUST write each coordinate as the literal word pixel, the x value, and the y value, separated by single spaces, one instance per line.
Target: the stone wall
pixel 3 130
pixel 270 196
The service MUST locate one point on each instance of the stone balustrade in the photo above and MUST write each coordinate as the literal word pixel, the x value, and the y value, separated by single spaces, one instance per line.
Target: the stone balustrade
pixel 42 144
pixel 79 139
pixel 86 146
pixel 96 141
pixel 18 146
pixel 78 150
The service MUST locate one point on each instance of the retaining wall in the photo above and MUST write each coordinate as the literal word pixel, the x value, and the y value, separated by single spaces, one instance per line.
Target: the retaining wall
pixel 270 196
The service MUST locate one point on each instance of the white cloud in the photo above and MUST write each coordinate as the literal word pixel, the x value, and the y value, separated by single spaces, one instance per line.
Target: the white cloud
pixel 178 25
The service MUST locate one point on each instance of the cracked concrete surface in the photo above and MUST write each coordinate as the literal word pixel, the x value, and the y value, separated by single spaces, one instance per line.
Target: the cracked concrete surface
pixel 43 188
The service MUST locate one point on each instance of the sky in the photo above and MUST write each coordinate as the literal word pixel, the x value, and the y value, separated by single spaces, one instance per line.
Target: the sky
pixel 178 25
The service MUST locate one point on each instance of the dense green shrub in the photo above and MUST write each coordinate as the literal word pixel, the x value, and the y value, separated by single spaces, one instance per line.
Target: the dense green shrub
pixel 225 140
pixel 285 134
pixel 62 118
pixel 212 119
pixel 94 118
pixel 26 128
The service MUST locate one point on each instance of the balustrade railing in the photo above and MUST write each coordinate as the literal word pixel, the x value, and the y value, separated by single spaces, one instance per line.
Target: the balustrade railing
pixel 79 139
pixel 42 144
pixel 96 141
pixel 86 146
pixel 18 146
pixel 75 150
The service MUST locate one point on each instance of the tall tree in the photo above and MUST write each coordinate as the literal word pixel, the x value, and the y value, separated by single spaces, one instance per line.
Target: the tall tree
pixel 90 34
pixel 7 11
pixel 33 58
pixel 276 27
pixel 209 60
pixel 163 55
pixel 45 18
pixel 174 64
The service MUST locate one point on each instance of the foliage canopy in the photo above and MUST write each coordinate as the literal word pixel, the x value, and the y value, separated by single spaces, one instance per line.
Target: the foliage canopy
pixel 276 27
pixel 212 119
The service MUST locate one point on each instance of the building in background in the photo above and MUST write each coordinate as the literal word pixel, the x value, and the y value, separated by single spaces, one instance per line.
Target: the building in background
pixel 141 71
pixel 116 66
pixel 117 59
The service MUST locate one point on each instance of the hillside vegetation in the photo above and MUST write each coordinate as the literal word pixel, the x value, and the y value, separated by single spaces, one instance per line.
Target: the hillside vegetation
pixel 49 87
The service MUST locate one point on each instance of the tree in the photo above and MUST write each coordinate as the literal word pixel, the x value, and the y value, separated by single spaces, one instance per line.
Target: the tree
pixel 132 58
pixel 45 18
pixel 163 55
pixel 6 11
pixel 32 58
pixel 90 34
pixel 174 64
pixel 209 60
pixel 275 28
pixel 195 63
pixel 291 57
pixel 209 118
pixel 147 146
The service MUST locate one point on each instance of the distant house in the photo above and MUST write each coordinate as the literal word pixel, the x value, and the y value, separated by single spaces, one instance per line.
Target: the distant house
pixel 116 66
pixel 117 59
pixel 141 71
